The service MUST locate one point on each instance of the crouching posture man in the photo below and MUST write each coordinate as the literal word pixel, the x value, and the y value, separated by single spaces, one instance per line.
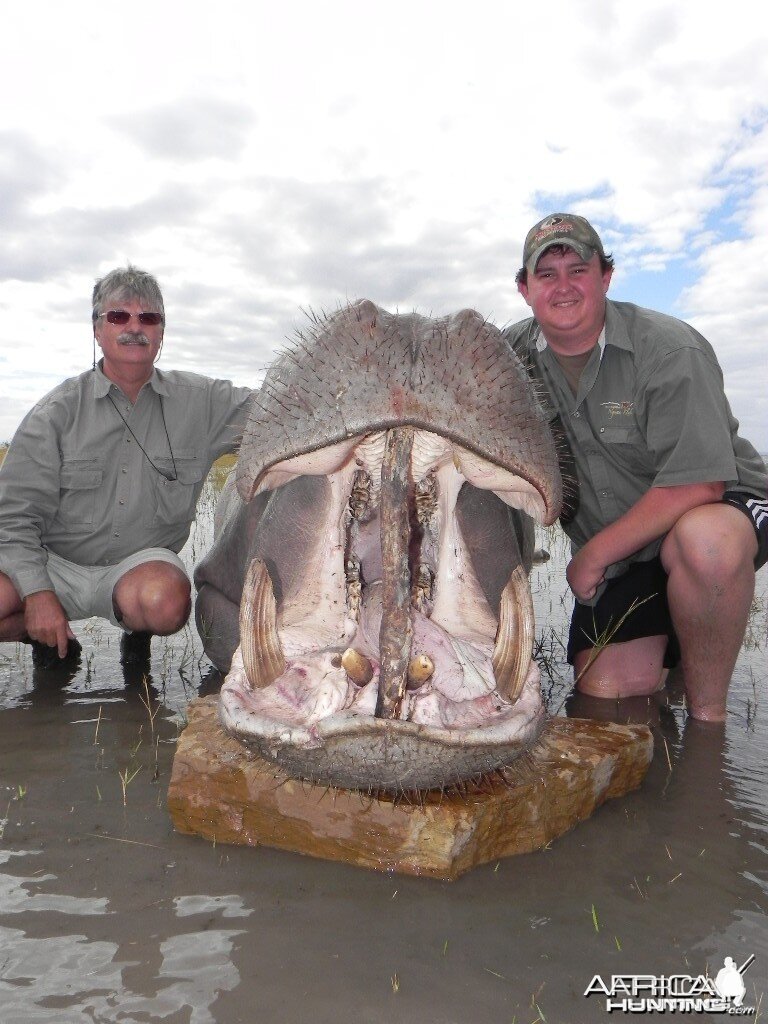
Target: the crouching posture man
pixel 672 520
pixel 99 486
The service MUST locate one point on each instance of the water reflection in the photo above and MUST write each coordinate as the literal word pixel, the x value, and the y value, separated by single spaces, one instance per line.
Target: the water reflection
pixel 16 896
pixel 56 978
pixel 60 979
pixel 211 682
pixel 52 972
pixel 653 711
pixel 229 906
pixel 107 915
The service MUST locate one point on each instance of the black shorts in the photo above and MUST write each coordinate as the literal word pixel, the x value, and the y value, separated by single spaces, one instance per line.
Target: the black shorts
pixel 634 605
pixel 756 510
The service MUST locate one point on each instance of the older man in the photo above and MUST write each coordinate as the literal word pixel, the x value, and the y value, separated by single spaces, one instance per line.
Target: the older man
pixel 672 521
pixel 99 486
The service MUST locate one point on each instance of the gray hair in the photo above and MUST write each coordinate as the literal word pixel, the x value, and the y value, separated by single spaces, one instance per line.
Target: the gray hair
pixel 125 283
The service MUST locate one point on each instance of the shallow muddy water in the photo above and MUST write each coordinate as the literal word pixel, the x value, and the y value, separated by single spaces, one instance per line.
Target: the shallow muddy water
pixel 107 915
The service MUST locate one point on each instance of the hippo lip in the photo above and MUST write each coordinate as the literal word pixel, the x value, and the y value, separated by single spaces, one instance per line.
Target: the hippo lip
pixel 368 753
pixel 374 651
pixel 365 370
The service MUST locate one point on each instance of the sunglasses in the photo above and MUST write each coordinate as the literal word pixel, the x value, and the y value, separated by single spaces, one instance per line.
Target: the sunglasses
pixel 122 317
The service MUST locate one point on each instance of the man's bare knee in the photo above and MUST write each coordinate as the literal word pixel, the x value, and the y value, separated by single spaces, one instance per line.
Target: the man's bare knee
pixel 166 606
pixel 12 625
pixel 10 602
pixel 155 598
pixel 711 543
pixel 631 669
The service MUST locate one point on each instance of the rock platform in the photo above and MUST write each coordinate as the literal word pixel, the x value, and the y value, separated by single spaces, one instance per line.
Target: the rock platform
pixel 223 792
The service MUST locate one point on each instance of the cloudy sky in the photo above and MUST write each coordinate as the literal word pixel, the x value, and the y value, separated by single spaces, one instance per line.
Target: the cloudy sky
pixel 262 158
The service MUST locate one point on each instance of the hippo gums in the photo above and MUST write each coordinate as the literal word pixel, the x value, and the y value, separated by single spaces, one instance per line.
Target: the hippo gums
pixel 367 590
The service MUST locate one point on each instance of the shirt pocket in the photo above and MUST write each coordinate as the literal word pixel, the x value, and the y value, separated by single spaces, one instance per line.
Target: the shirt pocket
pixel 79 485
pixel 175 499
pixel 627 447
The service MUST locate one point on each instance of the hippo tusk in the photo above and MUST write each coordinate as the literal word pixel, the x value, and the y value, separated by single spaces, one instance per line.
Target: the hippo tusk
pixel 262 654
pixel 357 667
pixel 420 670
pixel 514 639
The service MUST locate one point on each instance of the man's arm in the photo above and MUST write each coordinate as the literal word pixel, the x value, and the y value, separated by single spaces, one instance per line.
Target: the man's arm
pixel 29 496
pixel 228 411
pixel 685 417
pixel 649 518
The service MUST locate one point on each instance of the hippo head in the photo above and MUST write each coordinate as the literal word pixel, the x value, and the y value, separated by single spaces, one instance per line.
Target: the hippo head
pixel 375 557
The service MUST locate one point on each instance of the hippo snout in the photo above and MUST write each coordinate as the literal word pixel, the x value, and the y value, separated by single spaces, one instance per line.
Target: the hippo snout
pixel 368 590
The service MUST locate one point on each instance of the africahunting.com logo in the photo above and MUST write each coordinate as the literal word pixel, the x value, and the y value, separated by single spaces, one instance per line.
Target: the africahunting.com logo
pixel 676 993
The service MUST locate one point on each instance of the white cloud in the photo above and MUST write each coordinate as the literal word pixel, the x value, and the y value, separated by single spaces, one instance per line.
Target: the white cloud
pixel 262 157
pixel 729 300
pixel 195 128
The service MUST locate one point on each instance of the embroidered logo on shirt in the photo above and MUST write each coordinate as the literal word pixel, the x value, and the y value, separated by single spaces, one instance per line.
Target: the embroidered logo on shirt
pixel 618 408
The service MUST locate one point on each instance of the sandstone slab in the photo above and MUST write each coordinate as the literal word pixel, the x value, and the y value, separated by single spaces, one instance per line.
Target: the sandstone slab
pixel 223 792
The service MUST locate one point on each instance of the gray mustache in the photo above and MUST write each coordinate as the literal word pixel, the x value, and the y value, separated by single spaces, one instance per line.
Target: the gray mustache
pixel 128 338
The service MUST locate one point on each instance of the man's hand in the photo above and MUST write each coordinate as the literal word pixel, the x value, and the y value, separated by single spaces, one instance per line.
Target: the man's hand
pixel 585 573
pixel 46 621
pixel 651 517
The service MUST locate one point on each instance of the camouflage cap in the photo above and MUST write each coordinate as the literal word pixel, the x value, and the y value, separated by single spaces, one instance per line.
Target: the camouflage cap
pixel 561 229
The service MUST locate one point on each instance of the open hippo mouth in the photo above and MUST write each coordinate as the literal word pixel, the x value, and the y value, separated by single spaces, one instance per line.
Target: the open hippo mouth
pixel 386 622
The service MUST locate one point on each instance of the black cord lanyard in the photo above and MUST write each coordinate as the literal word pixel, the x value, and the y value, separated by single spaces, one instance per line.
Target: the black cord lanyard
pixel 165 476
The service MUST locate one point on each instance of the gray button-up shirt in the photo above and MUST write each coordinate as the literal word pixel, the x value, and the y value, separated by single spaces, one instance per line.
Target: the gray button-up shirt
pixel 650 411
pixel 76 481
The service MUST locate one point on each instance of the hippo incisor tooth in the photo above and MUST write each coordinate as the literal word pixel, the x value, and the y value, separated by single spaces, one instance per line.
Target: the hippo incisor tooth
pixel 514 640
pixel 262 654
pixel 420 669
pixel 357 667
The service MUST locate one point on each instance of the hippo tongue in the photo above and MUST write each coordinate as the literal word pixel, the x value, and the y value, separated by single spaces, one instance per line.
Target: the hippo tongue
pixel 511 657
pixel 396 515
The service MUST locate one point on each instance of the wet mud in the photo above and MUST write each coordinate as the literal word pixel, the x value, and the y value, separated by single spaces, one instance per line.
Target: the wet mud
pixel 107 915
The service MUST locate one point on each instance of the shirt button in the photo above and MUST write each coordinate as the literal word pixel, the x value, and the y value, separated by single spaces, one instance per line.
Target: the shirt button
pixel 123 470
pixel 603 494
pixel 576 415
pixel 115 534
pixel 121 502
pixel 602 430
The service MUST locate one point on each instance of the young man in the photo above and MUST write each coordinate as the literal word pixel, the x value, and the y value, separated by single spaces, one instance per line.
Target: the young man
pixel 671 520
pixel 99 486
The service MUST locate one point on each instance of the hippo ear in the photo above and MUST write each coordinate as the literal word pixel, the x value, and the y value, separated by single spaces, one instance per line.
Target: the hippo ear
pixel 466 318
pixel 363 315
pixel 366 312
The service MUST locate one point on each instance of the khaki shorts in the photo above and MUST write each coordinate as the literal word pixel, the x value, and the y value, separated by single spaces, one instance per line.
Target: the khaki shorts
pixel 86 590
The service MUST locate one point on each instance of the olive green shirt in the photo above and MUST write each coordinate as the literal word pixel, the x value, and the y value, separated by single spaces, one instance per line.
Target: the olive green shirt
pixel 650 411
pixel 76 481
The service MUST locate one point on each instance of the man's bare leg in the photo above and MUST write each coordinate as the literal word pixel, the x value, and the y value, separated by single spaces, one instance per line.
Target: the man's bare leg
pixel 709 558
pixel 642 710
pixel 630 669
pixel 11 612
